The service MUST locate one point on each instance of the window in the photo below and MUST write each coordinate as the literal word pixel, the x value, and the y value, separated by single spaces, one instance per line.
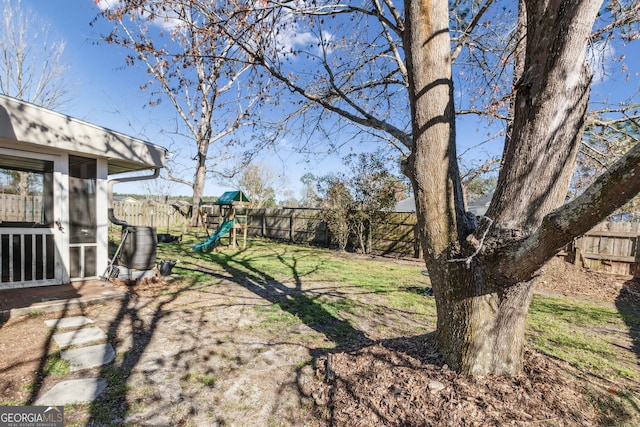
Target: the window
pixel 26 192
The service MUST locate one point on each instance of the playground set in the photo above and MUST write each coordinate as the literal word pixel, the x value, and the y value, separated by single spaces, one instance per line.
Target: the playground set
pixel 233 215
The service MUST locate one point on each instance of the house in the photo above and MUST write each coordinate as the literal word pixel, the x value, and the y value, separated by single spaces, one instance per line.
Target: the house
pixel 406 206
pixel 62 170
pixel 478 206
pixel 125 199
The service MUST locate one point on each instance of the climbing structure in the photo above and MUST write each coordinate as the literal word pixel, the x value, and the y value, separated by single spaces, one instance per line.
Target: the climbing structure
pixel 233 212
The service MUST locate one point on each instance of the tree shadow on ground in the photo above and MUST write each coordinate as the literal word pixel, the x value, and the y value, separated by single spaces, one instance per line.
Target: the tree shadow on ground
pixel 305 303
pixel 292 298
pixel 628 305
pixel 45 360
pixel 141 316
pixel 133 327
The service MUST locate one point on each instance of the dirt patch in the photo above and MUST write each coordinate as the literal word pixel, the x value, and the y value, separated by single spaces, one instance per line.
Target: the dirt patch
pixel 562 278
pixel 191 353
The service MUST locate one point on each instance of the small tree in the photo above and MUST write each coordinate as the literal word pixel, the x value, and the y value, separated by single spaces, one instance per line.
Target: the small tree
pixel 374 190
pixel 352 204
pixel 336 204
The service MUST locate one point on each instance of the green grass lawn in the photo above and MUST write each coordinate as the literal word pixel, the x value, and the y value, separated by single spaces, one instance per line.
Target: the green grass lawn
pixel 586 335
pixel 334 289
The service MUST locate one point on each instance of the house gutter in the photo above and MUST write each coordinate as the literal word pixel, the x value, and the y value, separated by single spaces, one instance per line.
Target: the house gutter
pixel 112 182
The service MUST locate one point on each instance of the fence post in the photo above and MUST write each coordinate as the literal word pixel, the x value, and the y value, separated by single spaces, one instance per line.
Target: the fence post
pixel 291 223
pixel 577 243
pixel 417 247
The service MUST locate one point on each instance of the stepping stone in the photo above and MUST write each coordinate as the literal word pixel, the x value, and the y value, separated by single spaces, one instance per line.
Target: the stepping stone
pixel 79 337
pixel 73 391
pixel 68 322
pixel 89 357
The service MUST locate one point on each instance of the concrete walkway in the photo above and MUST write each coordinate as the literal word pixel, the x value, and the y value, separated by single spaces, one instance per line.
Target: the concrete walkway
pixel 81 356
pixel 73 391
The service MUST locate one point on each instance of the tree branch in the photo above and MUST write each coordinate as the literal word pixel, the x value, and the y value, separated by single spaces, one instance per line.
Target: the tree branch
pixel 619 184
pixel 467 32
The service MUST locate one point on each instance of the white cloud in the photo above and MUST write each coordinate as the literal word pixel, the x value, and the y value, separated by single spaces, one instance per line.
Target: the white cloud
pixel 107 4
pixel 168 21
pixel 600 57
pixel 293 36
pixel 291 39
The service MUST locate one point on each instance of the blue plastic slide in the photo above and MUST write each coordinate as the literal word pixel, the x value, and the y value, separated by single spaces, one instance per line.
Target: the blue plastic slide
pixel 212 240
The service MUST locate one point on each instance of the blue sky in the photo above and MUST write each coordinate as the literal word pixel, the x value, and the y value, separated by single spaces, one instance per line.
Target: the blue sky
pixel 108 94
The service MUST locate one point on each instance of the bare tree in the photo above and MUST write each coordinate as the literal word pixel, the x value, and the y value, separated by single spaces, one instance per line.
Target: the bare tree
pixel 202 74
pixel 373 190
pixel 481 273
pixel 363 64
pixel 32 66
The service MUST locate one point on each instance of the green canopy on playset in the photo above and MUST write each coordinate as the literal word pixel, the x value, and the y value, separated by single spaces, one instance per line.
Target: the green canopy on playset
pixel 232 198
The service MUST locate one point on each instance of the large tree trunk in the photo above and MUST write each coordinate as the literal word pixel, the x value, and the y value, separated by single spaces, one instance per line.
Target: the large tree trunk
pixel 442 222
pixel 482 298
pixel 551 97
pixel 199 180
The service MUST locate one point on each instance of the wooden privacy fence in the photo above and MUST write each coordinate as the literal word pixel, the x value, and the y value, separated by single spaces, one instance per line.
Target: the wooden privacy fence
pixel 17 208
pixel 394 233
pixel 295 225
pixel 611 247
pixel 149 214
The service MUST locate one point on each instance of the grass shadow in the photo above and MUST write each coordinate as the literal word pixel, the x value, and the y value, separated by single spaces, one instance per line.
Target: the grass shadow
pixel 284 287
pixel 628 305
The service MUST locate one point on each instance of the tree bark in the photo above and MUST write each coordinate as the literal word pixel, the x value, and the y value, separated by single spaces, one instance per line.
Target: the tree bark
pixel 612 189
pixel 549 108
pixel 442 222
pixel 481 300
pixel 199 180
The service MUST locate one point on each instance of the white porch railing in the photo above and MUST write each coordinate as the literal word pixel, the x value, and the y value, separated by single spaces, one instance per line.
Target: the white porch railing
pixel 27 257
